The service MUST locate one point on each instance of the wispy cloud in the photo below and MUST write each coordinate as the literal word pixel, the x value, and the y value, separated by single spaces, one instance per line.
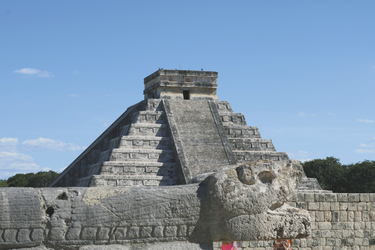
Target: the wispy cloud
pixel 30 72
pixel 365 120
pixel 46 143
pixel 365 151
pixel 8 144
pixel 301 155
pixel 75 72
pixel 367 148
pixel 73 95
pixel 13 162
pixel 303 114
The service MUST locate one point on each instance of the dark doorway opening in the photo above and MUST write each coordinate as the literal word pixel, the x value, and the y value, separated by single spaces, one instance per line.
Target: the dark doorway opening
pixel 186 94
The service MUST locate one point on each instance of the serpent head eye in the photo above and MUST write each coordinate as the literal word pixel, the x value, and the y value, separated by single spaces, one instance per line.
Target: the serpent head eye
pixel 246 174
pixel 266 176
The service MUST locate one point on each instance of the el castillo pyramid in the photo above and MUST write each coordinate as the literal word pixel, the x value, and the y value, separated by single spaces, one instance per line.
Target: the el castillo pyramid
pixel 179 130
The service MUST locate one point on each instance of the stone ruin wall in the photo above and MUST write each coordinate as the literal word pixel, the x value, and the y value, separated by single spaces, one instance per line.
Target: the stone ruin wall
pixel 338 221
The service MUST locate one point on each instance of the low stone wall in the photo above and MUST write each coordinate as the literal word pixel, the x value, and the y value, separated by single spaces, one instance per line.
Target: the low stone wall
pixel 339 221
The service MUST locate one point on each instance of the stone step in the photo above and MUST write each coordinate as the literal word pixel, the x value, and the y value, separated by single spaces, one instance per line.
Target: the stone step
pixel 251 144
pixel 125 130
pixel 154 105
pixel 246 156
pixel 152 155
pixel 144 129
pixel 153 117
pixel 84 181
pixel 138 168
pixel 239 131
pixel 131 141
pixel 228 118
pixel 223 106
pixel 134 180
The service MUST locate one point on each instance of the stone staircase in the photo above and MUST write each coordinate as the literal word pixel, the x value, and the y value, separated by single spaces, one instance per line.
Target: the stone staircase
pixel 141 155
pixel 246 141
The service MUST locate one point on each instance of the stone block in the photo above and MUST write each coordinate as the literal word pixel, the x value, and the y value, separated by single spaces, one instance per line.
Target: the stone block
pixel 353 197
pixel 351 216
pixel 309 197
pixel 352 206
pixel 73 233
pixel 103 233
pixel 120 233
pixel 335 216
pixel 335 206
pixel 343 216
pixel 56 234
pixel 182 231
pixel 372 197
pixel 324 226
pixel 23 235
pixel 331 197
pixel 324 206
pixel 158 232
pixel 357 216
pixel 170 231
pixel 88 233
pixel 328 216
pixel 342 197
pixel 133 232
pixel 320 197
pixel 319 216
pixel 313 206
pixel 36 234
pixel 364 197
pixel 343 206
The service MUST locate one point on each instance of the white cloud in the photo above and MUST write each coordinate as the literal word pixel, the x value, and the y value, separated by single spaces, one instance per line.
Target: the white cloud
pixel 8 144
pixel 367 148
pixel 29 72
pixel 46 143
pixel 301 155
pixel 75 72
pixel 365 120
pixel 365 151
pixel 12 163
pixel 303 114
pixel 73 95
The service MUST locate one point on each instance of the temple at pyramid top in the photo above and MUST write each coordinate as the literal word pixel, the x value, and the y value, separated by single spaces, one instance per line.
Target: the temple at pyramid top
pixel 177 133
pixel 181 84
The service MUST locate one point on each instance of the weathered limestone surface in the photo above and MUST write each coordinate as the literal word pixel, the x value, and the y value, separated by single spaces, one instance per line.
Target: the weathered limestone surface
pixel 338 221
pixel 198 134
pixel 240 203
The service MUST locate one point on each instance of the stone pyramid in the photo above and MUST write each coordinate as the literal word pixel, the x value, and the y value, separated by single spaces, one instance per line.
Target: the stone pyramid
pixel 179 130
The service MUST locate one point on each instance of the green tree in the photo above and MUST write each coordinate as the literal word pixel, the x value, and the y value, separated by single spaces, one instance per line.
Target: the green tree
pixel 329 172
pixel 19 180
pixel 40 179
pixel 3 183
pixel 361 177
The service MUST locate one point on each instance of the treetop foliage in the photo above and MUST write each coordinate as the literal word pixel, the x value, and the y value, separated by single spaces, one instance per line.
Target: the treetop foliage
pixel 332 175
pixel 40 179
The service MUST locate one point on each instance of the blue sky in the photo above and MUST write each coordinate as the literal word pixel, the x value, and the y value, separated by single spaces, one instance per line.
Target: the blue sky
pixel 302 71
